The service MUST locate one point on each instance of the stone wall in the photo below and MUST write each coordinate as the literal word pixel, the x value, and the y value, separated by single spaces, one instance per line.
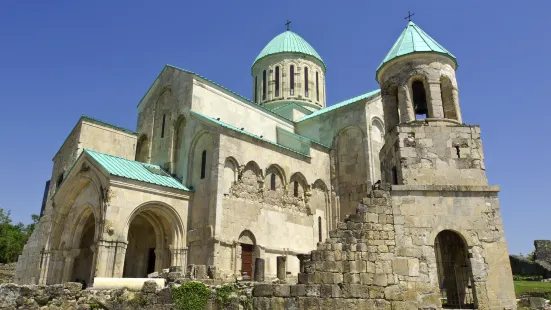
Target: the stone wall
pixel 7 271
pixel 524 267
pixel 543 250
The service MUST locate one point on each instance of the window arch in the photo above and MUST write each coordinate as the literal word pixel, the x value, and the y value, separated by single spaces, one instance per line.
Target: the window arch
pixel 203 164
pixel 454 271
pixel 277 81
pixel 420 102
pixel 306 81
pixel 320 234
pixel 264 85
pixel 292 80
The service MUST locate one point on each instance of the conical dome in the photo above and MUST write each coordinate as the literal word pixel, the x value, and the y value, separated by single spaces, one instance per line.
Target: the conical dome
pixel 288 42
pixel 414 40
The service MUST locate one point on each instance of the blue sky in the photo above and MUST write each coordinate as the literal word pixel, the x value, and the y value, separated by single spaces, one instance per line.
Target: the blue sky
pixel 62 59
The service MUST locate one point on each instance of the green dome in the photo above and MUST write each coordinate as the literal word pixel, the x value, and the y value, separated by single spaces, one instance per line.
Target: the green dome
pixel 414 40
pixel 288 42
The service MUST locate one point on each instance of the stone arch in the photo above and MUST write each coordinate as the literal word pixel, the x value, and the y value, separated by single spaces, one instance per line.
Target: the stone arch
pixel 160 140
pixel 320 200
pixel 299 185
pixel 200 169
pixel 230 174
pixel 84 237
pixel 178 159
pixel 455 278
pixel 247 254
pixel 155 234
pixel 449 98
pixel 202 141
pixel 275 173
pixel 377 142
pixel 390 106
pixel 142 149
pixel 351 168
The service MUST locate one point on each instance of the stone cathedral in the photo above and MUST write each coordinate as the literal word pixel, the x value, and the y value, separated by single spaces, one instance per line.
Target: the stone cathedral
pixel 213 178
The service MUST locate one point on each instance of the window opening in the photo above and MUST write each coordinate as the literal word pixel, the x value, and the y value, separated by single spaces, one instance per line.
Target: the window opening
pixel 273 182
pixel 457 151
pixel 394 176
pixel 203 164
pixel 419 100
pixel 256 89
pixel 264 85
pixel 163 128
pixel 317 88
pixel 295 189
pixel 277 81
pixel 306 81
pixel 292 80
pixel 59 180
pixel 319 229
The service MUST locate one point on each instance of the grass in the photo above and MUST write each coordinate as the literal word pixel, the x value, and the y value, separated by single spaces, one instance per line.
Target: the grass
pixel 532 286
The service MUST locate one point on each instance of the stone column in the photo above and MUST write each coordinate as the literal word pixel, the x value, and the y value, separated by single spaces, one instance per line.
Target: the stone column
pixel 70 256
pixel 259 270
pixel 436 110
pixel 302 258
pixel 110 258
pixel 405 105
pixel 179 257
pixel 281 267
pixel 455 95
pixel 92 275
pixel 390 109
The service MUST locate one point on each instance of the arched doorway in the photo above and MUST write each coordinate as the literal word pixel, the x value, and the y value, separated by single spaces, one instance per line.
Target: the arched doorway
pixel 82 268
pixel 454 271
pixel 247 242
pixel 155 241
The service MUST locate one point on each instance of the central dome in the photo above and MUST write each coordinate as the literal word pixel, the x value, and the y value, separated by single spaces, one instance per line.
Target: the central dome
pixel 288 42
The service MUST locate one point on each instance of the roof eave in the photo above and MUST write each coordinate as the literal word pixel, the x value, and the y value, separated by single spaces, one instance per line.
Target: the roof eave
pixel 384 64
pixel 314 57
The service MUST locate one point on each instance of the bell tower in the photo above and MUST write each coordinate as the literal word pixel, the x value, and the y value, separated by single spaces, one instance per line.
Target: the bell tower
pixel 426 141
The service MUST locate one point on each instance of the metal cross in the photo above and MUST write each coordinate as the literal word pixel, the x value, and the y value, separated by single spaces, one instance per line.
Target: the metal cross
pixel 288 24
pixel 409 16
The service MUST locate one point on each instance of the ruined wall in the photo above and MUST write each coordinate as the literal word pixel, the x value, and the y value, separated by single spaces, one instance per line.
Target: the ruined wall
pixel 435 155
pixel 542 250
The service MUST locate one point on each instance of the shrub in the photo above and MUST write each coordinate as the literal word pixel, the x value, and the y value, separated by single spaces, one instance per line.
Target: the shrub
pixel 190 296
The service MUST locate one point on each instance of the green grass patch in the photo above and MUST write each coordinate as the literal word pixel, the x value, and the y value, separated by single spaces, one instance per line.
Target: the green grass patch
pixel 523 287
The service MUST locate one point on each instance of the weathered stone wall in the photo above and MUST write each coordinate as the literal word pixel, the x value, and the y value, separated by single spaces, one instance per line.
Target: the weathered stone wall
pixel 542 250
pixel 522 266
pixel 7 271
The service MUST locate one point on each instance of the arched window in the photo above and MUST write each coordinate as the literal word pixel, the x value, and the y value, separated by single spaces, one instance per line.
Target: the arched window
pixel 419 99
pixel 317 88
pixel 292 80
pixel 448 104
pixel 319 229
pixel 256 89
pixel 295 188
pixel 277 81
pixel 273 182
pixel 306 81
pixel 454 271
pixel 264 85
pixel 203 164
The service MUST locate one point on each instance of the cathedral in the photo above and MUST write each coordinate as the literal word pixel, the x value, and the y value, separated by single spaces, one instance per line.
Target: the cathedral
pixel 214 178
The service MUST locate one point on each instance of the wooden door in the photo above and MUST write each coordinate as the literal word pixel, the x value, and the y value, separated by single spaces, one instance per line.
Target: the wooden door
pixel 247 261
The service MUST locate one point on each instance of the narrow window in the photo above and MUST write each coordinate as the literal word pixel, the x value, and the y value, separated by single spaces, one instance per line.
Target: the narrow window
pixel 419 99
pixel 292 80
pixel 273 182
pixel 163 128
pixel 317 88
pixel 295 190
pixel 256 89
pixel 319 229
pixel 277 81
pixel 203 164
pixel 306 81
pixel 264 85
pixel 457 151
pixel 59 180
pixel 394 176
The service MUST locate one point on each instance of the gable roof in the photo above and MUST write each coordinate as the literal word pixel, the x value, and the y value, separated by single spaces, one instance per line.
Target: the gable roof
pixel 135 170
pixel 414 40
pixel 339 105
pixel 288 42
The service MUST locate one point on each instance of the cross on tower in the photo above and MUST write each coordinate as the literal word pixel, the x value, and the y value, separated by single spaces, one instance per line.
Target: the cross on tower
pixel 288 24
pixel 409 16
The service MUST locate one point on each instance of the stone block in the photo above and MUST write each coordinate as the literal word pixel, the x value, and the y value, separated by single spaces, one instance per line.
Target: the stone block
pixel 282 290
pixel 149 287
pixel 277 303
pixel 291 303
pixel 74 288
pixel 351 278
pixel 327 277
pixel 325 290
pixel 308 303
pixel 376 292
pixel 394 292
pixel 312 290
pixel 298 290
pixel 404 305
pixel 413 267
pixel 261 303
pixel 380 279
pixel 400 266
pixel 338 278
pixel 263 290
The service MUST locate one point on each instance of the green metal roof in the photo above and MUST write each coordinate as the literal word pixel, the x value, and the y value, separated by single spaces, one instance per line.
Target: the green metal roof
pixel 217 122
pixel 135 170
pixel 414 40
pixel 288 42
pixel 341 104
